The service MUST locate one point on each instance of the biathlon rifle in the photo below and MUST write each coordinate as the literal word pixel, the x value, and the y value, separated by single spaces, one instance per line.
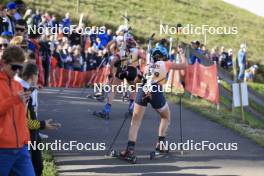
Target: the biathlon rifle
pixel 150 62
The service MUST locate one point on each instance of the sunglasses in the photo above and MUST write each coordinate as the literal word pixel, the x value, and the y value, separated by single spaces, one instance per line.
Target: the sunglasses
pixel 16 67
pixel 24 47
pixel 20 29
pixel 3 45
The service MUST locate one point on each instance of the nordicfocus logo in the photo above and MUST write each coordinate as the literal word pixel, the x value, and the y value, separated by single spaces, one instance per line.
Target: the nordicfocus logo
pixel 132 88
pixel 199 146
pixel 191 29
pixel 65 30
pixel 58 145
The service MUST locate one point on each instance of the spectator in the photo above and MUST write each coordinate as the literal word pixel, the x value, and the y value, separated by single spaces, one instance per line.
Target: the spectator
pixel 21 9
pixel 105 38
pixel 93 37
pixel 45 54
pixel 195 46
pixel 204 51
pixel 53 23
pixel 28 15
pixel 31 58
pixel 241 58
pixel 230 58
pixel 75 37
pixel 214 55
pixel 90 58
pixel 44 22
pixel 56 54
pixel 66 23
pixel 36 18
pixel 66 56
pixel 14 134
pixel 11 21
pixel 3 45
pixel 20 41
pixel 77 60
pixel 29 82
pixel 3 23
pixel 223 58
pixel 21 27
pixel 250 73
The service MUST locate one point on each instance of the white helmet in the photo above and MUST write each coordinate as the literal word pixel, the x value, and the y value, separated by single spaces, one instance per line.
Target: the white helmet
pixel 243 45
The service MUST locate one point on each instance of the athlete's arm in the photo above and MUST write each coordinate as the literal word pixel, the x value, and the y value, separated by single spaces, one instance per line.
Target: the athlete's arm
pixel 181 65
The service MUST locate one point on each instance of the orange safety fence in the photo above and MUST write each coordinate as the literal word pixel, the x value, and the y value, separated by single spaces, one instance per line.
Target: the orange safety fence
pixel 202 81
pixel 60 77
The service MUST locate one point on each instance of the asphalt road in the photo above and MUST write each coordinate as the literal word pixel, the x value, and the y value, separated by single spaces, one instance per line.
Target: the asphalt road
pixel 73 110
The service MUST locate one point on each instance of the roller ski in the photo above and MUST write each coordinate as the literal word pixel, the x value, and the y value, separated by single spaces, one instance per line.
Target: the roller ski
pixel 105 113
pixel 98 97
pixel 126 155
pixel 158 152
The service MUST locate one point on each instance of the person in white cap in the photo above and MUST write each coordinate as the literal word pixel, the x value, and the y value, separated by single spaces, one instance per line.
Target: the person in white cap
pixel 250 73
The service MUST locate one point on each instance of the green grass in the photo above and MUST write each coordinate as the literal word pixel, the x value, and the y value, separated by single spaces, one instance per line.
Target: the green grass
pixel 145 17
pixel 251 128
pixel 49 165
pixel 258 87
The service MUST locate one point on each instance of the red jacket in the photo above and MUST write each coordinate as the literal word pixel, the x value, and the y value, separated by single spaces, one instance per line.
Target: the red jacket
pixel 13 125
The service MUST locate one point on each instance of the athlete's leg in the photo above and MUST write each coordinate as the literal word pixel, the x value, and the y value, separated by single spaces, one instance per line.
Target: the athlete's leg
pixel 139 110
pixel 107 108
pixel 159 103
pixel 133 130
pixel 136 121
pixel 133 93
pixel 163 128
pixel 114 83
pixel 165 119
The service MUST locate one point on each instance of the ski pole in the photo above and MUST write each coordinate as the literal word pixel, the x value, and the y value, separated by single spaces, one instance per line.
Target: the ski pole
pixel 116 136
pixel 181 138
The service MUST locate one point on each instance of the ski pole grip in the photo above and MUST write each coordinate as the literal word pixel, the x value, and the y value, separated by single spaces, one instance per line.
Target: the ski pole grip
pixel 152 36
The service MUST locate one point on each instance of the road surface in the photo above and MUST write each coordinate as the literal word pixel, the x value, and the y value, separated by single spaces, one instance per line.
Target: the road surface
pixel 73 110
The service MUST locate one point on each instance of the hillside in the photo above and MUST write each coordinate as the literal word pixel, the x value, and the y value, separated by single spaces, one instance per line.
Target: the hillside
pixel 145 17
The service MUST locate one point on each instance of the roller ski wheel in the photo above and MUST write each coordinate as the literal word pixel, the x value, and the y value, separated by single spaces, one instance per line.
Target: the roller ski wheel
pixel 101 114
pixel 91 96
pixel 131 158
pixel 95 97
pixel 157 153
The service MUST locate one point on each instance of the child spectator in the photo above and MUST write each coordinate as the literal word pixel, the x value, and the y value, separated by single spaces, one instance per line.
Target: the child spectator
pixel 29 82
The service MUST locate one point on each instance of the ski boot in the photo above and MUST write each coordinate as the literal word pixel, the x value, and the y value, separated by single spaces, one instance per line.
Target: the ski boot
pixel 126 155
pixel 104 113
pixel 158 151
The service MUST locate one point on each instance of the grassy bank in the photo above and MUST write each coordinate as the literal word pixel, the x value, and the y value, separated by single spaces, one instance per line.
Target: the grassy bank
pixel 49 165
pixel 146 15
pixel 258 87
pixel 251 128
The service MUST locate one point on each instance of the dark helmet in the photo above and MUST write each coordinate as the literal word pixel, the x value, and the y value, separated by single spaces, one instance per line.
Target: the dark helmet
pixel 131 43
pixel 159 52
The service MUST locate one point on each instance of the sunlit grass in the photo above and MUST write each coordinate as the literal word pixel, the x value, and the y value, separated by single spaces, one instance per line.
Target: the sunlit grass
pixel 252 128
